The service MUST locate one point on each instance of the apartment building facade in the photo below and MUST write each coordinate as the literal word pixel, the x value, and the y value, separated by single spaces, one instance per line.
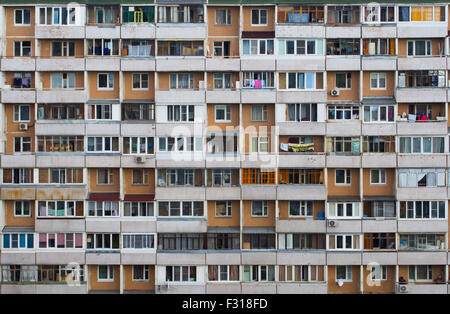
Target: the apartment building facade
pixel 211 146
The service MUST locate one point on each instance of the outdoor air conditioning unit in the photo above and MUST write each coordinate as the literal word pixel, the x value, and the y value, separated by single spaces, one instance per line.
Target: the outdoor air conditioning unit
pixel 23 126
pixel 139 159
pixel 331 223
pixel 334 92
pixel 402 289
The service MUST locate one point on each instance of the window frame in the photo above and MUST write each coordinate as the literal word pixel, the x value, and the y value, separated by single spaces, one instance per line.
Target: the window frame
pixel 264 209
pixel 109 82
pixel 23 17
pixel 347 176
pixel 259 17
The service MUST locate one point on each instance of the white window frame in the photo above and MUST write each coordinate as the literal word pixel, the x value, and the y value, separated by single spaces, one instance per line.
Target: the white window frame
pixel 181 203
pixel 381 176
pixel 226 113
pixel 428 48
pixel 141 80
pixel 228 209
pixel 378 78
pixel 355 239
pixel 260 19
pixel 197 144
pixel 145 273
pixel 354 112
pixel 56 202
pixel 227 17
pixel 413 209
pixel 181 113
pixel 105 111
pixel 347 176
pixel 140 142
pixel 348 273
pixel 333 209
pixel 18 234
pixel 415 279
pixel 22 17
pixel 263 111
pixel 258 142
pixel 260 45
pixel 22 142
pixel 296 80
pixel 304 208
pixel 22 212
pixel 103 150
pixel 421 138
pixel 284 43
pixel 66 79
pixel 348 80
pixel 113 207
pixel 181 273
pixel 149 239
pixel 260 272
pixel 109 272
pixel 264 209
pixel 71 15
pixel 22 47
pixel 109 81
pixel 109 176
pixel 149 208
pixel 378 113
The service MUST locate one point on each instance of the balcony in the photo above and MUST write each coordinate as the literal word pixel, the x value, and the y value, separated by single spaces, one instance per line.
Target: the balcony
pixel 54 96
pixel 376 63
pixel 17 161
pixel 422 63
pixel 343 161
pixel 422 30
pixel 379 129
pixel 259 192
pixel 259 288
pixel 301 128
pixel 255 63
pixel 306 225
pixel 348 128
pixel 130 64
pixel 223 64
pixel 132 225
pixel 345 226
pixel 59 32
pixel 303 288
pixel 111 64
pixel 422 128
pixel 301 160
pixel 182 193
pixel 379 160
pixel 59 225
pixel 102 161
pixel 258 95
pixel 177 258
pixel 111 128
pixel 60 64
pixel 289 30
pixel 130 161
pixel 18 96
pixel 18 258
pixel 51 127
pixel 137 258
pixel 180 64
pixel 308 63
pixel 435 193
pixel 382 31
pixel 411 95
pixel 25 64
pixel 301 192
pixel 102 258
pixel 222 96
pixel 379 224
pixel 180 96
pixel 258 258
pixel 138 31
pixel 292 96
pixel 107 31
pixel 423 226
pixel 422 161
pixel 343 63
pixel 344 258
pixel 380 257
pixel 51 160
pixel 64 257
pixel 313 257
pixel 174 225
pixel 17 193
pixel 223 287
pixel 341 31
pixel 425 288
pixel 180 31
pixel 44 288
pixel 57 193
pixel 223 193
pixel 422 258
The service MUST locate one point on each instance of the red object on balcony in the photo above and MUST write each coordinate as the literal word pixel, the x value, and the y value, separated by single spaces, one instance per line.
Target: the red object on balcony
pixel 104 197
pixel 139 198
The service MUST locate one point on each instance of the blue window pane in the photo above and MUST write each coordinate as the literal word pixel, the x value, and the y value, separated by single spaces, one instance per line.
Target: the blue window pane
pixel 309 80
pixel 6 241
pixel 30 241
pixel 22 240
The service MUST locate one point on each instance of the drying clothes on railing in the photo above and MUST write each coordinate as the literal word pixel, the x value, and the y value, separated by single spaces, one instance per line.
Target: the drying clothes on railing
pixel 297 147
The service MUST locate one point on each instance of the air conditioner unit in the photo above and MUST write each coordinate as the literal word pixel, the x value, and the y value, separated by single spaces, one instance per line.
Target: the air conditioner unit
pixel 331 223
pixel 334 92
pixel 23 126
pixel 402 288
pixel 139 159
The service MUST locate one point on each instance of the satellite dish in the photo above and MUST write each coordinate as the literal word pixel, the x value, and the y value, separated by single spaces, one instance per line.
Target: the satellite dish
pixel 340 282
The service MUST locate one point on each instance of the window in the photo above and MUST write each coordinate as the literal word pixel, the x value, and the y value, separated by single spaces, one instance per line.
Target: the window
pixel 18 241
pixel 180 14
pixel 299 273
pixel 419 47
pixel 60 144
pixel 169 144
pixel 377 176
pixel 300 176
pixel 181 273
pixel 343 145
pixel 107 241
pixel 343 47
pixel 222 80
pixel 103 209
pixel 377 80
pixel 61 175
pixel 223 16
pixel 259 112
pixel 138 241
pixel 100 112
pixel 379 46
pixel 181 113
pixel 104 15
pixel 258 80
pixel 257 47
pixel 22 48
pixel 103 47
pixel 343 112
pixel 180 177
pixel 223 208
pixel 300 14
pixel 138 209
pixel 185 48
pixel 422 241
pixel 300 47
pixel 420 272
pixel 105 273
pixel 421 13
pixel 223 272
pixel 344 273
pixel 343 14
pixel 260 144
pixel 343 242
pixel 140 81
pixel 302 112
pixel 18 175
pixel 343 176
pixel 379 241
pixel 103 144
pixel 60 111
pixel 184 241
pixel 259 208
pixel 137 48
pixel 382 209
pixel 22 17
pixel 259 273
pixel 343 210
pixel 258 176
pixel 57 15
pixel 300 80
pixel 417 177
pixel 141 112
pixel 182 80
pixel 378 144
pixel 259 17
pixel 22 144
pixel 62 80
pixel 105 81
pixel 421 145
pixel 222 113
pixel 140 176
pixel 259 241
pixel 379 14
pixel 60 208
pixel 343 80
pixel 22 209
pixel 300 208
pixel 138 14
pixel 222 48
pixel 180 208
pixel 138 145
pixel 22 80
pixel 105 176
pixel 422 210
pixel 63 49
pixel 379 113
pixel 221 177
pixel 141 273
pixel 60 240
pixel 301 241
pixel 418 79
